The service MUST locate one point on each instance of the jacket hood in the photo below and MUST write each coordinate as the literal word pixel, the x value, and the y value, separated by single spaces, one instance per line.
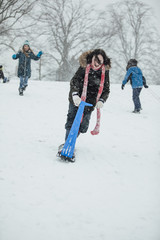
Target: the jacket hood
pixel 83 60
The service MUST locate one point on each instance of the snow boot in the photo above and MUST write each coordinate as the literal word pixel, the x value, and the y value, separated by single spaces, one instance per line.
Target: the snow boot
pixel 136 111
pixel 24 87
pixel 4 80
pixel 21 91
pixel 64 158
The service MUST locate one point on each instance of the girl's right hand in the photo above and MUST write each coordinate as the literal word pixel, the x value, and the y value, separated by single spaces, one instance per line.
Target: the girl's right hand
pixel 76 100
pixel 14 56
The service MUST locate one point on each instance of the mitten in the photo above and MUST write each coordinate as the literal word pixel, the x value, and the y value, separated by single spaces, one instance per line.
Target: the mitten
pixel 99 104
pixel 76 100
pixel 14 56
pixel 122 86
pixel 39 54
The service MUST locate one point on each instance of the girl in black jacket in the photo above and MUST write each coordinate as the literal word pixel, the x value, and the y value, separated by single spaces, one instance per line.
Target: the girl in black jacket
pixel 94 67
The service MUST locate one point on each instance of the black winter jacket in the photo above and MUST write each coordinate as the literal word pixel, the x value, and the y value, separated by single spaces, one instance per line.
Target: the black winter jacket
pixel 94 79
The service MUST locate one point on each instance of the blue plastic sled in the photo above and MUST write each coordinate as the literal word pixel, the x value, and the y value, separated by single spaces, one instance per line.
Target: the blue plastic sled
pixel 68 148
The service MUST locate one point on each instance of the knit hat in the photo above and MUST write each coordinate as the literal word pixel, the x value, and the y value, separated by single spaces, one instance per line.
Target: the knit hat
pixel 26 43
pixel 131 63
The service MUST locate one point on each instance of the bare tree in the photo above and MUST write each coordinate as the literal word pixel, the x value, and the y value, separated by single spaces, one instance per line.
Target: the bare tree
pixel 11 11
pixel 17 18
pixel 102 31
pixel 135 35
pixel 68 26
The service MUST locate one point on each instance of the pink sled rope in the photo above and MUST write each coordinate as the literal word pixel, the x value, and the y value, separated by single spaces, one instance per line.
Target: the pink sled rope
pixel 97 127
pixel 84 93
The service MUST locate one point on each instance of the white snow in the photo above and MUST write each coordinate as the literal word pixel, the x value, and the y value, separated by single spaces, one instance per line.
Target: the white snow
pixel 111 192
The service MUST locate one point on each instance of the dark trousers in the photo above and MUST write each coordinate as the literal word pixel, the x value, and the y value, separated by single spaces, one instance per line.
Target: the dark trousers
pixel 1 75
pixel 136 99
pixel 70 118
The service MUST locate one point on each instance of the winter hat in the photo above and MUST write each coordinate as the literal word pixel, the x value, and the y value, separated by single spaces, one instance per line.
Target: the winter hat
pixel 26 43
pixel 131 63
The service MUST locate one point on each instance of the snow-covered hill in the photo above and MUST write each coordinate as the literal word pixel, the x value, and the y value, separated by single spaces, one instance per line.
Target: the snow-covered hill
pixel 111 192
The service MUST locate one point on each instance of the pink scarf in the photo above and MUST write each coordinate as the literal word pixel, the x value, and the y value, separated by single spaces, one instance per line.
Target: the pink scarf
pixel 84 94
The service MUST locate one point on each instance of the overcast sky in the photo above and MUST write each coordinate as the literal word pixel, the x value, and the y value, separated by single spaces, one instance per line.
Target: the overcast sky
pixel 155 4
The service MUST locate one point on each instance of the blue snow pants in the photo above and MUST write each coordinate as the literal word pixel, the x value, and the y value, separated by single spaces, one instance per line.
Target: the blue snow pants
pixel 23 81
pixel 136 99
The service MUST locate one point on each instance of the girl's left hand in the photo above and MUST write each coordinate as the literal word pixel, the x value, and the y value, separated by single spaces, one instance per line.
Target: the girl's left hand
pixel 39 54
pixel 99 104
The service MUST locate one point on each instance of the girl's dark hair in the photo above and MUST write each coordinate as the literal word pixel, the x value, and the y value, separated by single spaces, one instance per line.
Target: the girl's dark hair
pixel 96 52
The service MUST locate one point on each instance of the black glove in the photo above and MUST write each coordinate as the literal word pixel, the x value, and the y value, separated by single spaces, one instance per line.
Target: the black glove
pixel 122 86
pixel 146 86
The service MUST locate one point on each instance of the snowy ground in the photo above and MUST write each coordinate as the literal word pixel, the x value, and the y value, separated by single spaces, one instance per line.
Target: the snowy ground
pixel 111 192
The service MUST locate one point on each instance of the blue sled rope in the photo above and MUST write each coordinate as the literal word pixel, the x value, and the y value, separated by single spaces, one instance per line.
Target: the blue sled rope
pixel 68 148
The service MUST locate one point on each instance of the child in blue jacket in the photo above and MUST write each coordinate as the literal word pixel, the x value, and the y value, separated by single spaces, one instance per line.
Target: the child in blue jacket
pixel 134 74
pixel 24 67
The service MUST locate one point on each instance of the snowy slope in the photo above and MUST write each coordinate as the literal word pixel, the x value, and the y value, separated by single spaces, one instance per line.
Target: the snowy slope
pixel 111 192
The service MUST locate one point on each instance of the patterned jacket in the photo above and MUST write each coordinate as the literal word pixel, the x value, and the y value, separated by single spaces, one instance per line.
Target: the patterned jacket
pixel 24 67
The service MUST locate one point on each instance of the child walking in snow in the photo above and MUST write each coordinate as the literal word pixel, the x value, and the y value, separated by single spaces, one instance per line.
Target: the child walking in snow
pixel 2 75
pixel 134 74
pixel 24 67
pixel 94 66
